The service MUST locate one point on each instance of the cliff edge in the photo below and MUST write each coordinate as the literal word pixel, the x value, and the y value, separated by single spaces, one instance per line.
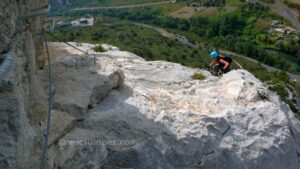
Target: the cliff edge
pixel 162 118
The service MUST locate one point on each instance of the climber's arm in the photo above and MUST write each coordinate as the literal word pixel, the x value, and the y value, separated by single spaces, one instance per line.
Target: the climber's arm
pixel 226 64
pixel 213 63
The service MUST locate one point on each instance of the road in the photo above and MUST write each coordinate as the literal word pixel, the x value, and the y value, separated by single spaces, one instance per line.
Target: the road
pixel 283 10
pixel 180 38
pixel 159 30
pixel 185 41
pixel 121 7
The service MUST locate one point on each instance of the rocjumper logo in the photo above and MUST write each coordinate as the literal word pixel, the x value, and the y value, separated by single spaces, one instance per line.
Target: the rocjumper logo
pixel 116 140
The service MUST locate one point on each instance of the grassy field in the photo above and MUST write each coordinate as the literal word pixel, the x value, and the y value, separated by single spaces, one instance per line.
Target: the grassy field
pixel 90 3
pixel 294 1
pixel 170 8
pixel 186 12
pixel 209 12
pixel 181 10
pixel 234 2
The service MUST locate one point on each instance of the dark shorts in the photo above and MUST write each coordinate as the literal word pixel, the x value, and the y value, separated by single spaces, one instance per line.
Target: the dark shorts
pixel 226 70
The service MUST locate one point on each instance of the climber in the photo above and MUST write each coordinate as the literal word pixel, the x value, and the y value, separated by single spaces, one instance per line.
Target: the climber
pixel 223 62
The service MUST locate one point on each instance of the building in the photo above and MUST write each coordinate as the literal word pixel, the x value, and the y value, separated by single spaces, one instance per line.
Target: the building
pixel 61 25
pixel 274 22
pixel 86 21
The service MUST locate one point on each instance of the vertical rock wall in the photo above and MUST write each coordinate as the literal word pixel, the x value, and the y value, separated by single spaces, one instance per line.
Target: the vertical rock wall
pixel 22 103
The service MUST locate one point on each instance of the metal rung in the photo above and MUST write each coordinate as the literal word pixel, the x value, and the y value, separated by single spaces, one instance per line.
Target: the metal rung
pixel 37 12
pixel 6 65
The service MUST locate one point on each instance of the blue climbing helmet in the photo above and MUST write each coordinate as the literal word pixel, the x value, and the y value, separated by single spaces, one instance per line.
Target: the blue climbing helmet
pixel 214 54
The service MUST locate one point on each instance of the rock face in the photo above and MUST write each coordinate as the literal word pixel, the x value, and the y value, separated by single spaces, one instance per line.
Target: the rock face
pixel 77 90
pixel 162 118
pixel 21 98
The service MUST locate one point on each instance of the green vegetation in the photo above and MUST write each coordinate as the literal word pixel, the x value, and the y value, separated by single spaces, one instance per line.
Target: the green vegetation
pixel 98 48
pixel 217 3
pixel 241 31
pixel 144 42
pixel 198 76
pixel 235 2
pixel 210 3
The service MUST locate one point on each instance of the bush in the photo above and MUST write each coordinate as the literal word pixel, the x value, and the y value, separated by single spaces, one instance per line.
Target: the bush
pixel 198 76
pixel 98 48
pixel 280 91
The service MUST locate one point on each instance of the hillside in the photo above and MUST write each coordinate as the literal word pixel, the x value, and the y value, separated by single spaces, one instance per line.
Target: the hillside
pixel 236 27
